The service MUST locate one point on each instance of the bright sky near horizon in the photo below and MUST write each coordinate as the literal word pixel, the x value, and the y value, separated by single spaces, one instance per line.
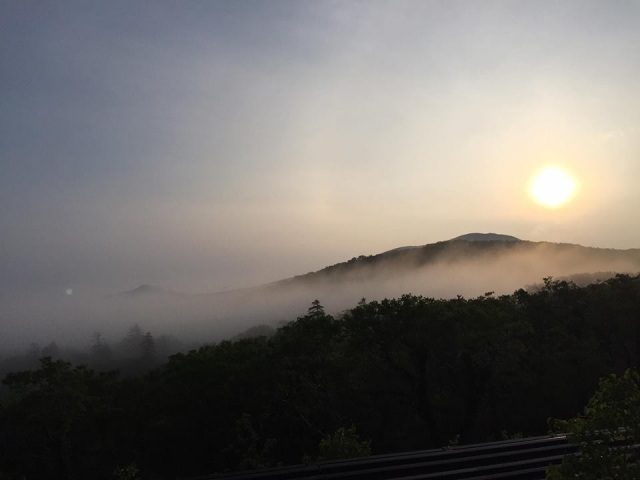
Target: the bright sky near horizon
pixel 210 145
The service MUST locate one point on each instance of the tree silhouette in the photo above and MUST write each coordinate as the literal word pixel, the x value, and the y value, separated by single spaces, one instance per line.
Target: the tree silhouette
pixel 315 310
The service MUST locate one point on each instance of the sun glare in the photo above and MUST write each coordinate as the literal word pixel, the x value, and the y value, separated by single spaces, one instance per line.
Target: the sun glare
pixel 553 187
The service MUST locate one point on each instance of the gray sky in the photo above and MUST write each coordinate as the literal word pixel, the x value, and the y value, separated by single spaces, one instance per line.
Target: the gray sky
pixel 210 145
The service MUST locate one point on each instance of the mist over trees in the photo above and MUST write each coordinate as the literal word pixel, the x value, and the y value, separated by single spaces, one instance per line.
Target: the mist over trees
pixel 438 270
pixel 384 376
pixel 136 352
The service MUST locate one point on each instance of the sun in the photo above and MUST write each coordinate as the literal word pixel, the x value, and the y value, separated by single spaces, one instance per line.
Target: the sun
pixel 553 187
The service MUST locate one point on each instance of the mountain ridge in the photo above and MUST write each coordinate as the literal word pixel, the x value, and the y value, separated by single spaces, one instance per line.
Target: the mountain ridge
pixel 446 269
pixel 453 251
pixel 457 249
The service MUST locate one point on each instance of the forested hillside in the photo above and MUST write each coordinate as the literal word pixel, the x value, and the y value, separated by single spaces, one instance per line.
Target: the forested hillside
pixel 403 374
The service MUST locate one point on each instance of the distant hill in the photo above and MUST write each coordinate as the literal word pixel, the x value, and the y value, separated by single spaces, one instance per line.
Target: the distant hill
pixel 147 291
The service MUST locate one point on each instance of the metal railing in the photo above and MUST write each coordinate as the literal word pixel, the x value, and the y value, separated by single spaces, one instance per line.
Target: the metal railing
pixel 522 459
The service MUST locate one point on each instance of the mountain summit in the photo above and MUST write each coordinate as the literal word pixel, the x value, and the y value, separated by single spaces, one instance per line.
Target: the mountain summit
pixel 485 237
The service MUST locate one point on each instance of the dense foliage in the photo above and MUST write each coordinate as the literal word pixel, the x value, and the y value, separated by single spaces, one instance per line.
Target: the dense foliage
pixel 386 376
pixel 608 432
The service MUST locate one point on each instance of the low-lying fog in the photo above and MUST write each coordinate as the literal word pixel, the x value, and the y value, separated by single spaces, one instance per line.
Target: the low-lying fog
pixel 70 319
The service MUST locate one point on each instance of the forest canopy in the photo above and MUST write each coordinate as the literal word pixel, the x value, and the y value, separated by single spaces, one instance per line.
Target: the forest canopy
pixel 384 376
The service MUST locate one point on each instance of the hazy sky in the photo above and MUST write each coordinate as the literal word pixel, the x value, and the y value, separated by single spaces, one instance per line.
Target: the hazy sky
pixel 218 144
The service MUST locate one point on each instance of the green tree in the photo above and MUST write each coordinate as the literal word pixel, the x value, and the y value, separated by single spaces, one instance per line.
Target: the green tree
pixel 434 366
pixel 308 355
pixel 57 418
pixel 249 449
pixel 344 443
pixel 608 433
pixel 189 414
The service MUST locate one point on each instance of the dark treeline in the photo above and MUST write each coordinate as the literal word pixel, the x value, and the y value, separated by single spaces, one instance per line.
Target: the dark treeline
pixel 408 373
